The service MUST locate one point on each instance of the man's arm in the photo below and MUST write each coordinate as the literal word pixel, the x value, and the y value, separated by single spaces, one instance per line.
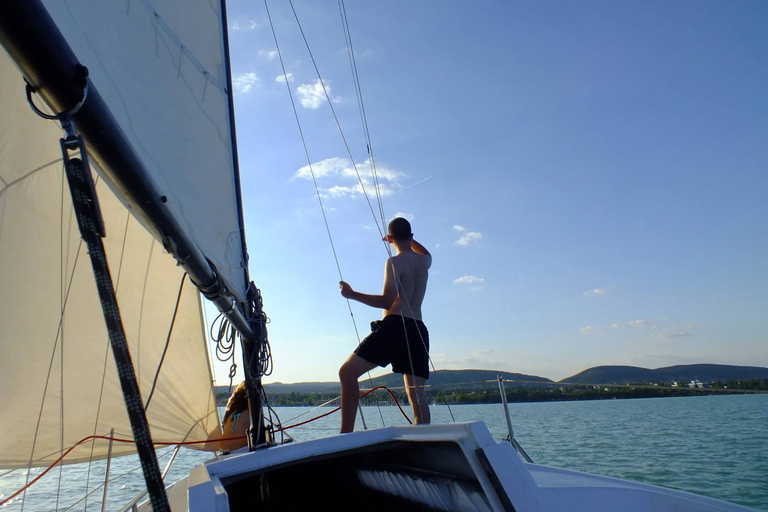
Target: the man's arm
pixel 383 301
pixel 418 248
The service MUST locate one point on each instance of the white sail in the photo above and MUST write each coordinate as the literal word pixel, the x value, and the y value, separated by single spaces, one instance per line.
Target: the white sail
pixel 160 69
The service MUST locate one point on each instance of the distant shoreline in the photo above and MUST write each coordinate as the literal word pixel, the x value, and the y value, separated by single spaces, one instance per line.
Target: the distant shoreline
pixel 487 395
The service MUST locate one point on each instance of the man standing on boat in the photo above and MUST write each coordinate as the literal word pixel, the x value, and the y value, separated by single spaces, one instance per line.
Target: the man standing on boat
pixel 400 338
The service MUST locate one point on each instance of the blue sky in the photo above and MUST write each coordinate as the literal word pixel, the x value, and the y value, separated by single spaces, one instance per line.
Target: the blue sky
pixel 590 177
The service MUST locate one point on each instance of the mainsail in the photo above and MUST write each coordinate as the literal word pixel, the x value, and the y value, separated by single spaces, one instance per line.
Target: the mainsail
pixel 161 69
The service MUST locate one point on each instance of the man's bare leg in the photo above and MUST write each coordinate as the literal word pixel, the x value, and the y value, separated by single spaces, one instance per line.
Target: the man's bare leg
pixel 417 396
pixel 349 372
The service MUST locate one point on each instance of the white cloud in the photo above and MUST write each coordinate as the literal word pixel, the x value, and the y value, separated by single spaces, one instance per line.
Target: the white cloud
pixel 347 182
pixel 468 238
pixel 327 167
pixel 634 324
pixel 288 77
pixel 482 352
pixel 658 329
pixel 245 82
pixel 313 96
pixel 596 292
pixel 382 172
pixel 251 25
pixel 339 191
pixel 469 280
pixel 270 54
pixel 407 216
pixel 359 54
pixel 675 331
pixel 672 334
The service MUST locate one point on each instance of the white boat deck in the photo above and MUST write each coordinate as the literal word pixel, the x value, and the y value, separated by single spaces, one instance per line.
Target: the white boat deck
pixel 435 467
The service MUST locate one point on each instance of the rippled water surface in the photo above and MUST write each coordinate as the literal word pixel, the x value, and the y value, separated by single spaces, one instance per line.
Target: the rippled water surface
pixel 712 445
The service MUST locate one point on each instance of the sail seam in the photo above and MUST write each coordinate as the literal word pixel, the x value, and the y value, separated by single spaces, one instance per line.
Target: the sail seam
pixel 141 314
pixel 27 175
pixel 184 50
pixel 50 366
pixel 167 341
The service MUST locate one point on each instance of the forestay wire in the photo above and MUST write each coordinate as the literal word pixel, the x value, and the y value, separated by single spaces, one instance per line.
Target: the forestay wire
pixel 372 160
pixel 336 119
pixel 312 172
pixel 379 221
pixel 361 108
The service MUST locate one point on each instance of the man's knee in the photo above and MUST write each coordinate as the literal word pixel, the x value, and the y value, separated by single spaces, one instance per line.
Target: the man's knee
pixel 347 373
pixel 343 372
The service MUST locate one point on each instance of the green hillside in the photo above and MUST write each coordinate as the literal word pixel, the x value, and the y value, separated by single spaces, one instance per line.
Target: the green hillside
pixel 462 378
pixel 450 382
pixel 667 375
pixel 445 378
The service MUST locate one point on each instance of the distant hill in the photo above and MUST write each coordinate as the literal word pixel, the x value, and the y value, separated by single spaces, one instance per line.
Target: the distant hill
pixel 669 374
pixel 445 378
pixel 463 378
pixel 294 387
pixel 454 379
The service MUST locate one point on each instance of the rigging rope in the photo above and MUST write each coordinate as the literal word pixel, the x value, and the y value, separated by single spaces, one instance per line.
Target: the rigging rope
pixel 112 480
pixel 92 230
pixel 361 108
pixel 226 340
pixel 311 170
pixel 262 358
pixel 183 443
pixel 369 145
pixel 167 341
pixel 106 358
pixel 358 91
pixel 336 119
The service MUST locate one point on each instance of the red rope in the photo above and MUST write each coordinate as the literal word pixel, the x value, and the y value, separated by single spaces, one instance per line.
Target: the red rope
pixel 183 443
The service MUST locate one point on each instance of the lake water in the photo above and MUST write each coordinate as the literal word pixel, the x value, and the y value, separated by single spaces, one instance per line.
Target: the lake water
pixel 712 445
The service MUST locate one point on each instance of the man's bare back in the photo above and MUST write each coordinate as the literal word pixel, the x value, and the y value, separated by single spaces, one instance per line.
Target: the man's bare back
pixel 408 270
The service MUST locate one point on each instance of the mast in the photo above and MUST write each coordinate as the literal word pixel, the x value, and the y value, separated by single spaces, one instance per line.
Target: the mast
pixel 250 344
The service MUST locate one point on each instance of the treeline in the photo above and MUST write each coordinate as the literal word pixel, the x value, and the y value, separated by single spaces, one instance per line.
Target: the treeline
pixel 553 394
pixel 491 394
pixel 746 384
pixel 514 395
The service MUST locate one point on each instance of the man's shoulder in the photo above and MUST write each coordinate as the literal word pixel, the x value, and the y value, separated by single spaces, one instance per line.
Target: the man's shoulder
pixel 410 256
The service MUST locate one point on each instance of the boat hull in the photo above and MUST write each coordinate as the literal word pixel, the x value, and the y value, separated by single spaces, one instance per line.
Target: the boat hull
pixel 435 467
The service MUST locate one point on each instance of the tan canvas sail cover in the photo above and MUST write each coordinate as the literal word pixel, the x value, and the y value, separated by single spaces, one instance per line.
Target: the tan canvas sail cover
pixel 57 375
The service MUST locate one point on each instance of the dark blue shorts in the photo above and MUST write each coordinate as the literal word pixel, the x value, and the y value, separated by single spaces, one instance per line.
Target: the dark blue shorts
pixel 392 340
